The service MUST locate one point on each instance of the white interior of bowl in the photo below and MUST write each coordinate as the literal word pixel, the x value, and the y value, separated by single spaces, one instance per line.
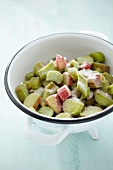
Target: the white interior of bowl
pixel 44 49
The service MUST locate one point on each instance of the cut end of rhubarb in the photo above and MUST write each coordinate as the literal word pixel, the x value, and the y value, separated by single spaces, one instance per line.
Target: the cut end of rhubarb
pixel 55 102
pixel 64 92
pixel 60 62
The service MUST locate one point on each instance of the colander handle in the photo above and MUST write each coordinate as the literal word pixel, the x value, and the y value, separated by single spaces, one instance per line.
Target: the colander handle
pixel 42 138
pixel 97 34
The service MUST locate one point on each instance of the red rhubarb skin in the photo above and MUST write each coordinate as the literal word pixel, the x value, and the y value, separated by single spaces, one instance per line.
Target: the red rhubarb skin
pixel 60 62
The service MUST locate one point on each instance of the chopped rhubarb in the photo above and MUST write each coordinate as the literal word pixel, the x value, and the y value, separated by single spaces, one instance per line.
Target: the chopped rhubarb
pixel 68 88
pixel 82 85
pixel 55 102
pixel 102 98
pixel 90 110
pixel 67 79
pixel 94 80
pixel 103 67
pixel 73 106
pixel 85 65
pixel 32 100
pixel 60 62
pixel 54 76
pixel 73 72
pixel 86 58
pixel 64 92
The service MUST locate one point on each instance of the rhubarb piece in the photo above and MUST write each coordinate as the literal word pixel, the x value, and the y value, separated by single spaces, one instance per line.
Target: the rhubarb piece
pixel 21 92
pixel 102 98
pixel 103 67
pixel 55 102
pixel 35 83
pixel 90 110
pixel 98 57
pixel 87 59
pixel 50 89
pixel 32 100
pixel 55 67
pixel 105 83
pixel 29 75
pixel 43 102
pixel 90 95
pixel 39 91
pixel 90 101
pixel 110 89
pixel 73 72
pixel 73 106
pixel 64 92
pixel 75 92
pixel 54 76
pixel 60 62
pixel 99 70
pixel 83 95
pixel 85 65
pixel 87 72
pixel 72 63
pixel 73 85
pixel 94 80
pixel 108 77
pixel 27 84
pixel 44 70
pixel 82 85
pixel 46 110
pixel 45 83
pixel 67 79
pixel 63 115
pixel 47 92
pixel 37 67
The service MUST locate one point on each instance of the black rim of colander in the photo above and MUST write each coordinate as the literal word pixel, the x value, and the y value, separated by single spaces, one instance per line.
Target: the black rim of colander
pixel 45 118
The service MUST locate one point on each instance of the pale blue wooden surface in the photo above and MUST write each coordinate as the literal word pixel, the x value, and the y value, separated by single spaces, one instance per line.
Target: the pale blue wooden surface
pixel 20 22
